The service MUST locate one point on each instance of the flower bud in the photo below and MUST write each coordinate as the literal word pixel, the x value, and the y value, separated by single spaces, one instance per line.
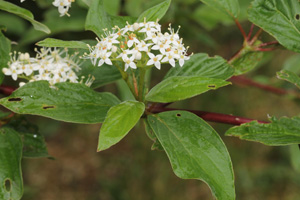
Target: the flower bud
pixel 114 49
pixel 136 26
pixel 138 56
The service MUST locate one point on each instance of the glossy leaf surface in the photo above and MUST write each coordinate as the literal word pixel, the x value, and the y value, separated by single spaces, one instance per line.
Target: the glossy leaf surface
pixel 70 102
pixel 4 53
pixel 281 19
pixel 119 121
pixel 51 42
pixel 156 12
pixel 231 7
pixel 182 87
pixel 284 131
pixel 201 64
pixel 26 14
pixel 195 150
pixel 11 183
pixel 98 19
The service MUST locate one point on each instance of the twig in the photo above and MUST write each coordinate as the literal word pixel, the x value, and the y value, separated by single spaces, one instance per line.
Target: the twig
pixel 212 116
pixel 255 36
pixel 6 90
pixel 268 43
pixel 246 81
pixel 241 28
pixel 250 32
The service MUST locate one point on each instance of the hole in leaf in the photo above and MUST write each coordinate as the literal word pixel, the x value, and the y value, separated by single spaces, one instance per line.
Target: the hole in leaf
pixel 14 99
pixel 7 185
pixel 47 107
pixel 211 86
pixel 297 16
pixel 178 115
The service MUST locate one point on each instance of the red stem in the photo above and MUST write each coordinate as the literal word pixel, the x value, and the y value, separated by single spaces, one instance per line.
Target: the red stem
pixel 241 28
pixel 245 81
pixel 268 43
pixel 212 116
pixel 255 36
pixel 6 90
pixel 250 32
pixel 265 49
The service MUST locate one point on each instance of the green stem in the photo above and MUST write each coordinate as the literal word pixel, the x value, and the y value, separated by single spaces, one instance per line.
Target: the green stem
pixel 141 84
pixel 125 77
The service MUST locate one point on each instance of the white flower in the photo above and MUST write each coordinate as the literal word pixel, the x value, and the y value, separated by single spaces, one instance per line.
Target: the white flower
pixel 125 53
pixel 63 6
pixel 148 29
pixel 169 58
pixel 132 40
pixel 154 60
pixel 162 47
pixel 129 62
pixel 182 59
pixel 138 45
pixel 50 65
pixel 105 58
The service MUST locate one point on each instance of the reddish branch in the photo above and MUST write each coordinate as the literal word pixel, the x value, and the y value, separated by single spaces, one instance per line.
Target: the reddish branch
pixel 242 80
pixel 240 28
pixel 211 116
pixel 6 90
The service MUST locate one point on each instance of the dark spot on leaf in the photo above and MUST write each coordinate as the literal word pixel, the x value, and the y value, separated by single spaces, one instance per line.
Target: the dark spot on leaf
pixel 211 86
pixel 15 99
pixel 178 115
pixel 297 16
pixel 285 74
pixel 7 185
pixel 47 107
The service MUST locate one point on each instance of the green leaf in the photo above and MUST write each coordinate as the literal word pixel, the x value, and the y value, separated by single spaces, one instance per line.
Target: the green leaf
pixel 280 19
pixel 149 131
pixel 4 54
pixel 195 150
pixel 292 64
pixel 103 75
pixel 51 42
pixel 230 7
pixel 209 17
pixel 289 76
pixel 201 64
pixel 295 157
pixel 156 12
pixel 26 14
pixel 182 87
pixel 112 7
pixel 11 183
pixel 284 131
pixel 57 24
pixel 124 91
pixel 15 25
pixel 247 60
pixel 98 19
pixel 119 121
pixel 70 102
pixel 34 146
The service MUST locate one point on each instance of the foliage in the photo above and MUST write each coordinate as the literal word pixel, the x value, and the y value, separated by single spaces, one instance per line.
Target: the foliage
pixel 194 148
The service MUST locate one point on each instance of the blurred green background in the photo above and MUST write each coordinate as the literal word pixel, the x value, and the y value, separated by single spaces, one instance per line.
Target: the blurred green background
pixel 130 170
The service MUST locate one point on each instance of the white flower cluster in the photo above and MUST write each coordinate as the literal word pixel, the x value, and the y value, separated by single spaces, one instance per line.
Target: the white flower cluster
pixel 139 45
pixel 62 5
pixel 49 64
